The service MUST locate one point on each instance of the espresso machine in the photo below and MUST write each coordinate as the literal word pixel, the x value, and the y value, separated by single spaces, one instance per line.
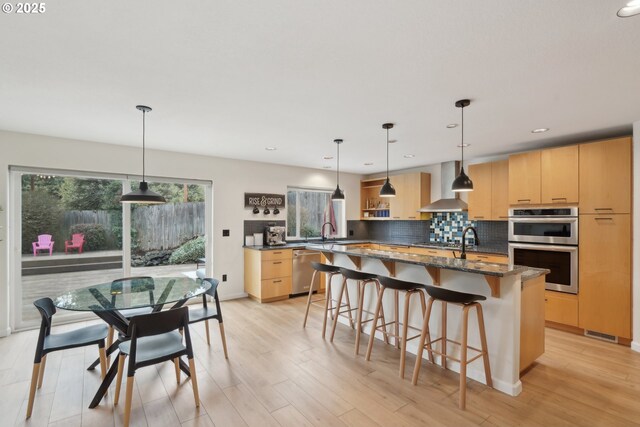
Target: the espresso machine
pixel 274 235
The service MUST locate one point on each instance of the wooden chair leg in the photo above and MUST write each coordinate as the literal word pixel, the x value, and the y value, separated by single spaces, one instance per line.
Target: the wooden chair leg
pixel 103 362
pixel 224 340
pixel 427 316
pixel 348 302
pixel 396 323
pixel 176 365
pixel 306 313
pixel 43 363
pixel 121 360
pixel 127 401
pixel 328 292
pixel 483 343
pixel 194 382
pixel 405 332
pixel 374 323
pixel 361 287
pixel 328 309
pixel 206 329
pixel 32 390
pixel 385 334
pixel 443 343
pixel 337 314
pixel 463 357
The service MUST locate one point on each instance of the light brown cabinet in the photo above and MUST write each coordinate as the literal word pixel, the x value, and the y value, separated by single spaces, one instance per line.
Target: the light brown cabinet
pixel 605 176
pixel 268 274
pixel 604 297
pixel 561 308
pixel 559 171
pixel 532 312
pixel 445 253
pixel 489 198
pixel 413 191
pixel 524 178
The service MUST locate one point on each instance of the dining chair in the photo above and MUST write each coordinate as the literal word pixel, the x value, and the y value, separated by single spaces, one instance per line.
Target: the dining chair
pixel 48 343
pixel 155 338
pixel 207 312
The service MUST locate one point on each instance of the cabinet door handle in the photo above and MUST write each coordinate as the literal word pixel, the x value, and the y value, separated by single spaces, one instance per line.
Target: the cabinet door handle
pixel 482 256
pixel 412 217
pixel 396 217
pixel 277 252
pixel 524 200
pixel 601 218
pixel 603 209
pixel 558 198
pixel 479 217
pixel 503 217
pixel 277 262
pixel 277 281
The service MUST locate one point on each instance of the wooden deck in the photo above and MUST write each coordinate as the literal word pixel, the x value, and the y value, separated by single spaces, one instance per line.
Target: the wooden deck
pixel 279 374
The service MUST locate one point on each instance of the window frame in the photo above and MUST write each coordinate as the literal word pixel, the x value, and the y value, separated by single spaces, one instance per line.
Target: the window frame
pixel 340 213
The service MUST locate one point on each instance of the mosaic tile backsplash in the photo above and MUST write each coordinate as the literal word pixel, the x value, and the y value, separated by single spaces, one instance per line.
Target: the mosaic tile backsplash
pixel 448 226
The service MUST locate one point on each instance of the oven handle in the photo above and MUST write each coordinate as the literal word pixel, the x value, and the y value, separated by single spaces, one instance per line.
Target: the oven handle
pixel 543 219
pixel 553 248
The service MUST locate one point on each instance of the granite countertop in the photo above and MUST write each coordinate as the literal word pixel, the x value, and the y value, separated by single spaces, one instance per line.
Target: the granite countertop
pixel 468 266
pixel 496 249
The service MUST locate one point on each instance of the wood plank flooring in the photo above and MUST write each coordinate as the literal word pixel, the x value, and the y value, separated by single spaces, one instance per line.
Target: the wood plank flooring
pixel 279 374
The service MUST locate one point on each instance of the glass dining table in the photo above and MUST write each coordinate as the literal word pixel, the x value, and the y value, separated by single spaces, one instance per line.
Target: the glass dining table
pixel 110 300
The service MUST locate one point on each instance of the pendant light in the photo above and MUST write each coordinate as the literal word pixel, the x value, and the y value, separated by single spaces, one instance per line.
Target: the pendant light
pixel 387 189
pixel 462 181
pixel 338 194
pixel 143 195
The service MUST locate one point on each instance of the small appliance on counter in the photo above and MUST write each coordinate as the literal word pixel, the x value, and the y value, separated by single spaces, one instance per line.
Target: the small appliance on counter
pixel 274 235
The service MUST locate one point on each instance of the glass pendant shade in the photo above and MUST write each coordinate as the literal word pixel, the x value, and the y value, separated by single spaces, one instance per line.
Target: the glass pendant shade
pixel 387 189
pixel 143 195
pixel 462 182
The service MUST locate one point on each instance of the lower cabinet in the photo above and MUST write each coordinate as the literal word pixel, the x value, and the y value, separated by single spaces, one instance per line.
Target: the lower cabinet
pixel 532 315
pixel 496 259
pixel 268 274
pixel 446 253
pixel 561 308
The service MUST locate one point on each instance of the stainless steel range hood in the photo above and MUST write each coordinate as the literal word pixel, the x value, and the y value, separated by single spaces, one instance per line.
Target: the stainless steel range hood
pixel 449 201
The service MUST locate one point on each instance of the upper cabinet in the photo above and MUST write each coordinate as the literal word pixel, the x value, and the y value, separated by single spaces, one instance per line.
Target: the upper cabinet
pixel 559 167
pixel 488 200
pixel 605 176
pixel 524 178
pixel 413 190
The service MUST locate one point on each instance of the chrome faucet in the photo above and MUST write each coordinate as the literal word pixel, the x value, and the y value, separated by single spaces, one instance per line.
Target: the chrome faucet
pixel 333 229
pixel 463 255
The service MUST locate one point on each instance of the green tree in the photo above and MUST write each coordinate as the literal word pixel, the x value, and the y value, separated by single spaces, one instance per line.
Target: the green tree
pixel 41 214
pixel 90 194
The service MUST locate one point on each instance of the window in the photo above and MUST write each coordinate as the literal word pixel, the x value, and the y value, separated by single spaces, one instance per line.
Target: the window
pixel 308 209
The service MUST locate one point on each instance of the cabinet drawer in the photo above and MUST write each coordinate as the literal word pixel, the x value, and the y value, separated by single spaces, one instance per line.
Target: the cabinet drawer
pixel 561 308
pixel 432 252
pixel 276 268
pixel 498 259
pixel 273 288
pixel 277 254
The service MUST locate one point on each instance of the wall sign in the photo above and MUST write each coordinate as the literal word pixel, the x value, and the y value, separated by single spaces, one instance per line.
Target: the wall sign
pixel 263 200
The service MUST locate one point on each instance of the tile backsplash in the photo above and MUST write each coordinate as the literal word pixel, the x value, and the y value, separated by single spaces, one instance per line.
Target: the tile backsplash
pixel 448 227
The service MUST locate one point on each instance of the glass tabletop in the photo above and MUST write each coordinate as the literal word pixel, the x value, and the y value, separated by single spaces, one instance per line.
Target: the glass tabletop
pixel 129 293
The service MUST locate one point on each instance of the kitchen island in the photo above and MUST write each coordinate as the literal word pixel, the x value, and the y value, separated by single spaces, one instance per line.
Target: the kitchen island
pixel 513 311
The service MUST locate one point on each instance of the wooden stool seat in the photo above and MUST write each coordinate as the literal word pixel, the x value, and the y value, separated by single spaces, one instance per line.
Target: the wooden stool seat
pixel 410 289
pixel 467 302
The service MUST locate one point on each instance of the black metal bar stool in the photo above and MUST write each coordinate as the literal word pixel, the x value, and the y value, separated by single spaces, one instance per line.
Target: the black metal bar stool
pixel 327 301
pixel 467 302
pixel 362 279
pixel 410 289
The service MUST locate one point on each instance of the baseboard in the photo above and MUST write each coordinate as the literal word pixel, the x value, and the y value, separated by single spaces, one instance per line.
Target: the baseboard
pixel 233 296
pixel 635 346
pixel 5 333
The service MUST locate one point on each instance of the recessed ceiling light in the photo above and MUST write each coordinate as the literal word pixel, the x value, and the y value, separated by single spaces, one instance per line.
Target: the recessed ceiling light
pixel 452 125
pixel 540 130
pixel 632 8
pixel 368 164
pixel 409 156
pixel 328 157
pixel 270 148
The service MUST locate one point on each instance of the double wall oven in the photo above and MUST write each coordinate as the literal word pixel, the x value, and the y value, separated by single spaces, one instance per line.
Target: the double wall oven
pixel 547 238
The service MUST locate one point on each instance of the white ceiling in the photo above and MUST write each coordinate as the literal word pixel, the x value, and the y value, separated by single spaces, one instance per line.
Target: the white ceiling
pixel 229 78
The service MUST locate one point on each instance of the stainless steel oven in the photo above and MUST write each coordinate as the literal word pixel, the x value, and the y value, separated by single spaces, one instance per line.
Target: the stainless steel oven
pixel 547 238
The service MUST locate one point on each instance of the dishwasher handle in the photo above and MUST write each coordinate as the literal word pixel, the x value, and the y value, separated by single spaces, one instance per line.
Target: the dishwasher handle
pixel 305 253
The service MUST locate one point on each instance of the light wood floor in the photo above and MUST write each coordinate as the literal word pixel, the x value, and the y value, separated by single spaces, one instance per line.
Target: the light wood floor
pixel 279 374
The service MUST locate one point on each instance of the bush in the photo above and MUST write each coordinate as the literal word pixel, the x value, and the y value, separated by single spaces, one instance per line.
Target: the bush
pixel 95 236
pixel 41 214
pixel 188 252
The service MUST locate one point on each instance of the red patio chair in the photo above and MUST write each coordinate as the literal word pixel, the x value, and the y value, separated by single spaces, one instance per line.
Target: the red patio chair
pixel 44 243
pixel 76 242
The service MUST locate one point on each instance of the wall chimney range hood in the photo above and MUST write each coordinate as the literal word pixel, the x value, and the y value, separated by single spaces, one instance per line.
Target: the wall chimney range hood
pixel 449 201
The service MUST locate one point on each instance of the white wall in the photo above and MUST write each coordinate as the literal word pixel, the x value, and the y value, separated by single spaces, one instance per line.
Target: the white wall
pixel 635 259
pixel 231 179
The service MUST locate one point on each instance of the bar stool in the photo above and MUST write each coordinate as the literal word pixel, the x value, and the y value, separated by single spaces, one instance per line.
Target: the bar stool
pixel 467 302
pixel 362 279
pixel 327 301
pixel 410 289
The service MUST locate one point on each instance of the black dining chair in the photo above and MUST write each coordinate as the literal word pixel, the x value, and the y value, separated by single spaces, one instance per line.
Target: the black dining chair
pixel 207 312
pixel 48 343
pixel 155 338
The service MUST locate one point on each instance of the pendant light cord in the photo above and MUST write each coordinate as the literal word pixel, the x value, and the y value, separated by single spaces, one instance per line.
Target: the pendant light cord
pixel 338 168
pixel 462 141
pixel 143 148
pixel 387 154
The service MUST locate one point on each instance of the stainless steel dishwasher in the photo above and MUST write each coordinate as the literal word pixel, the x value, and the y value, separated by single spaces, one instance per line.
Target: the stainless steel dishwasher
pixel 303 271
